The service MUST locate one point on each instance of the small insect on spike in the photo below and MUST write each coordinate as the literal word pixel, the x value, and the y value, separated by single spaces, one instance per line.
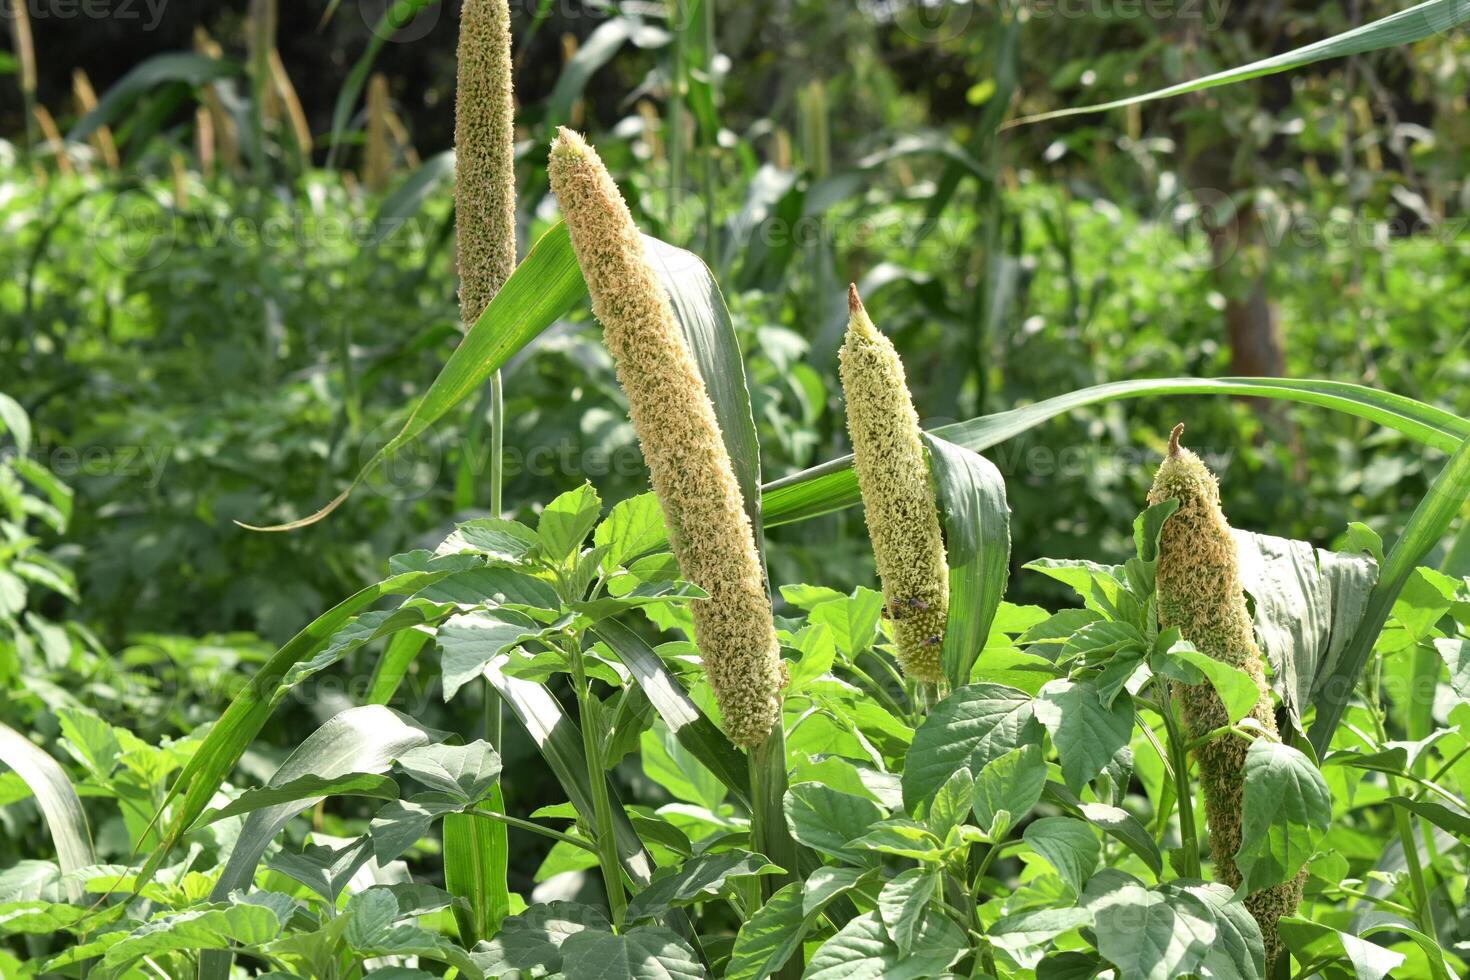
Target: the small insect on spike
pixel 918 604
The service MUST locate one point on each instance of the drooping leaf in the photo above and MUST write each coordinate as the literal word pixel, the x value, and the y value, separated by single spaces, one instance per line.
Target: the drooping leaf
pixel 1086 732
pixel 60 806
pixel 695 880
pixel 1285 810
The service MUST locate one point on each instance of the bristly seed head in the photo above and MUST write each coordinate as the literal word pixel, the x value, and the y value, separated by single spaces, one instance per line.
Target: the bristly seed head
pixel 484 156
pixel 1199 592
pixel 688 465
pixel 898 501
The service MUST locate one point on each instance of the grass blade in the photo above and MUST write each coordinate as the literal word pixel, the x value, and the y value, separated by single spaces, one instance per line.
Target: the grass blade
pixel 59 803
pixel 1427 526
pixel 181 66
pixel 399 14
pixel 476 858
pixel 1404 27
pixel 832 485
pixel 690 726
pixel 977 525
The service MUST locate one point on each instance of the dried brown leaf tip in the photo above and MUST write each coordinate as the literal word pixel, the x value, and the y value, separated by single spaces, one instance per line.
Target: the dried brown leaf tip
pixel 688 466
pixel 1199 592
pixel 898 500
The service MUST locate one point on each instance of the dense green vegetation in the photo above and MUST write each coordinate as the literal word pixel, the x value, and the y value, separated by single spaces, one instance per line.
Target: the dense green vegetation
pixel 459 725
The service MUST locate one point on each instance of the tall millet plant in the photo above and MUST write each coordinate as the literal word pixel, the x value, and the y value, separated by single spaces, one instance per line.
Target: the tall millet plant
pixel 1200 593
pixel 484 208
pixel 898 501
pixel 688 465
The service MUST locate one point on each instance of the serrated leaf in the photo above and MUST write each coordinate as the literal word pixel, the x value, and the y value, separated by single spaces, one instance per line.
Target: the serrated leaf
pixel 973 726
pixel 695 880
pixel 1069 846
pixel 633 528
pixel 1086 733
pixel 902 904
pixel 1013 783
pixel 531 942
pixel 470 641
pixel 825 819
pixel 1144 933
pixel 1285 810
pixel 644 953
pixel 463 772
pixel 862 949
pixel 566 522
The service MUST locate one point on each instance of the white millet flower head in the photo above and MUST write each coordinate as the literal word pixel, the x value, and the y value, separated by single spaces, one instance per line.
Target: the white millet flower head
pixel 1199 592
pixel 898 500
pixel 688 465
pixel 484 156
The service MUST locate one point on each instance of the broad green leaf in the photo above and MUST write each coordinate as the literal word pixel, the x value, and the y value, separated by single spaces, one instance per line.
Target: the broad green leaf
pixel 531 942
pixel 1426 526
pixel 58 801
pixel 971 727
pixel 853 620
pixel 903 903
pixel 1307 604
pixel 497 539
pixel 1012 783
pixel 862 949
pixel 1456 656
pixel 1236 689
pixel 472 640
pixel 359 740
pixel 214 928
pixel 769 937
pixel 492 586
pixel 951 804
pixel 1285 810
pixel 642 953
pixel 825 819
pixel 1396 30
pixel 463 772
pixel 1312 942
pixel 977 522
pixel 1086 733
pixel 1238 950
pixel 324 869
pixel 1149 934
pixel 633 528
pixel 1033 929
pixel 566 522
pixel 1114 821
pixel 311 786
pixel 1068 845
pixel 695 880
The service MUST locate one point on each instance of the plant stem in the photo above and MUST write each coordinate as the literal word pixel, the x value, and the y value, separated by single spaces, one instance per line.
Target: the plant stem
pixel 535 828
pixel 1423 915
pixel 590 713
pixel 1188 836
pixel 497 445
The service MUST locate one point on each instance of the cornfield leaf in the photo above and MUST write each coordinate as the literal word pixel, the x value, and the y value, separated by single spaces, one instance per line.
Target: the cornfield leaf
pixel 58 801
pixel 1395 30
pixel 183 67
pixel 476 860
pixel 690 726
pixel 833 486
pixel 398 14
pixel 1429 523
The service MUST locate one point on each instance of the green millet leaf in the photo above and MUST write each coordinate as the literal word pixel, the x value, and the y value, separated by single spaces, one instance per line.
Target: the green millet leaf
pixel 898 500
pixel 691 472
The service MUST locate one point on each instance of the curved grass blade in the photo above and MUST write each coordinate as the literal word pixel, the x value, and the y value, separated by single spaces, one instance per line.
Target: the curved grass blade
pixel 252 707
pixel 399 14
pixel 1404 27
pixel 690 726
pixel 185 67
pixel 977 529
pixel 58 801
pixel 699 308
pixel 363 739
pixel 476 856
pixel 1429 523
pixel 559 741
pixel 543 287
pixel 832 485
